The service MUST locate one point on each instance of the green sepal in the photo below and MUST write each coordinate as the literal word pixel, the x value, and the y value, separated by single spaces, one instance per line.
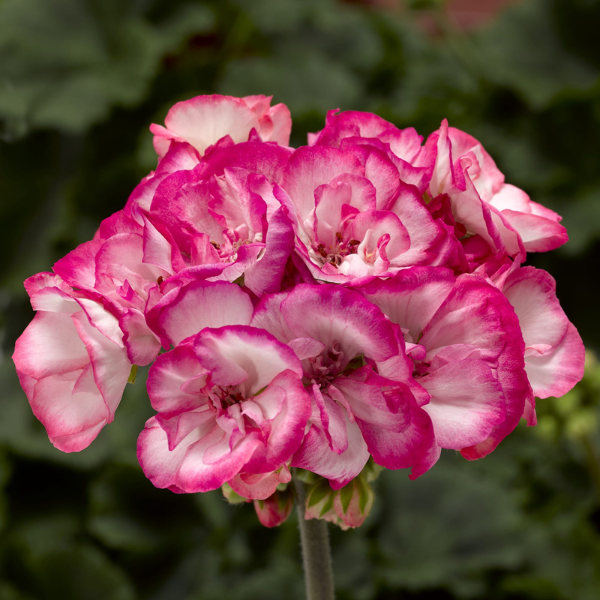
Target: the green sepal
pixel 371 470
pixel 231 496
pixel 346 494
pixel 307 476
pixel 132 374
pixel 318 493
pixel 364 493
pixel 328 506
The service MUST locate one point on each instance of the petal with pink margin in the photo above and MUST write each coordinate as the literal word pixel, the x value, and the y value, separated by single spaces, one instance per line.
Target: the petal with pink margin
pixel 331 314
pixel 466 403
pixel 261 486
pixel 532 292
pixel 315 455
pixel 195 475
pixel 198 305
pixel 109 361
pixel 204 120
pixel 411 297
pixel 286 428
pixel 170 381
pixel 266 275
pixel 556 373
pixel 310 167
pixel 141 344
pixel 229 352
pixel 50 345
pixel 396 440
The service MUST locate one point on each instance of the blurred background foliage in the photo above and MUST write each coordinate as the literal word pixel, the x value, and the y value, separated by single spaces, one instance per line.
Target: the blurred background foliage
pixel 80 81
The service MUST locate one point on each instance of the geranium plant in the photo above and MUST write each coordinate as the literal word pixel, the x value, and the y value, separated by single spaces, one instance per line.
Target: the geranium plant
pixel 311 315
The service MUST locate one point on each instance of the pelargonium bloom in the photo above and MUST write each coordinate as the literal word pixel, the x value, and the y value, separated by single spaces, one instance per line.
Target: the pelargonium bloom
pixel 467 350
pixel 204 120
pixel 71 362
pixel 230 400
pixel 114 269
pixel 356 412
pixel 210 222
pixel 554 352
pixel 358 298
pixel 499 219
pixel 223 219
pixel 354 217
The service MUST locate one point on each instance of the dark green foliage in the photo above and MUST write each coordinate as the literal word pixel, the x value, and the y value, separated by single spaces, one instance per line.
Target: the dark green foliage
pixel 80 81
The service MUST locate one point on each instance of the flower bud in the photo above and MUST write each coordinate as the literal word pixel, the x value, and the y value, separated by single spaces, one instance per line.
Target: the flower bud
pixel 347 507
pixel 274 510
pixel 231 496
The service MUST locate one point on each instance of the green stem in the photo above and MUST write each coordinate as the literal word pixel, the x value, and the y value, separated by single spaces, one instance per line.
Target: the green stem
pixel 316 555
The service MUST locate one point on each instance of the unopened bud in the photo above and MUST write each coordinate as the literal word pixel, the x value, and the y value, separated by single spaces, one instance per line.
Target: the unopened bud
pixel 275 509
pixel 231 496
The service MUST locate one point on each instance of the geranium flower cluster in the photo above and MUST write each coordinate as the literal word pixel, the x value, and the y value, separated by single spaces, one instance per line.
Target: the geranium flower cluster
pixel 356 303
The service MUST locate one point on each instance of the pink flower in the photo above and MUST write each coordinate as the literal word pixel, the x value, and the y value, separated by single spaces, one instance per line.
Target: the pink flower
pixel 231 404
pixel 554 352
pixel 355 218
pixel 367 128
pixel 355 411
pixel 467 349
pixel 499 219
pixel 71 362
pixel 115 269
pixel 204 120
pixel 223 219
pixel 379 308
pixel 197 223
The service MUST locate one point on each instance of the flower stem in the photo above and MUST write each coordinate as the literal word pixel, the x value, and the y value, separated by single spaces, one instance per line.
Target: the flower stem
pixel 316 555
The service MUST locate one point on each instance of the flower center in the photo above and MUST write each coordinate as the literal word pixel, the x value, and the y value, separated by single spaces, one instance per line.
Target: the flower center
pixel 327 365
pixel 224 397
pixel 335 253
pixel 232 241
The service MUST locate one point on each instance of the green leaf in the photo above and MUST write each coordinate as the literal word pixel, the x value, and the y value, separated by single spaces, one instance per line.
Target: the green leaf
pixel 522 51
pixel 68 62
pixel 58 565
pixel 300 77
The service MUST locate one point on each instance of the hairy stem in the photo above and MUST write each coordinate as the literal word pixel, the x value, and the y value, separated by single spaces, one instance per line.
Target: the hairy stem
pixel 316 555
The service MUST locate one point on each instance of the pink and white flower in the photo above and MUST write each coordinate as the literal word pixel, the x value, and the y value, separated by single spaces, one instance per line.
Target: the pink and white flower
pixel 355 411
pixel 434 336
pixel 467 349
pixel 355 218
pixel 554 352
pixel 223 219
pixel 204 120
pixel 114 268
pixel 232 407
pixel 499 219
pixel 71 362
